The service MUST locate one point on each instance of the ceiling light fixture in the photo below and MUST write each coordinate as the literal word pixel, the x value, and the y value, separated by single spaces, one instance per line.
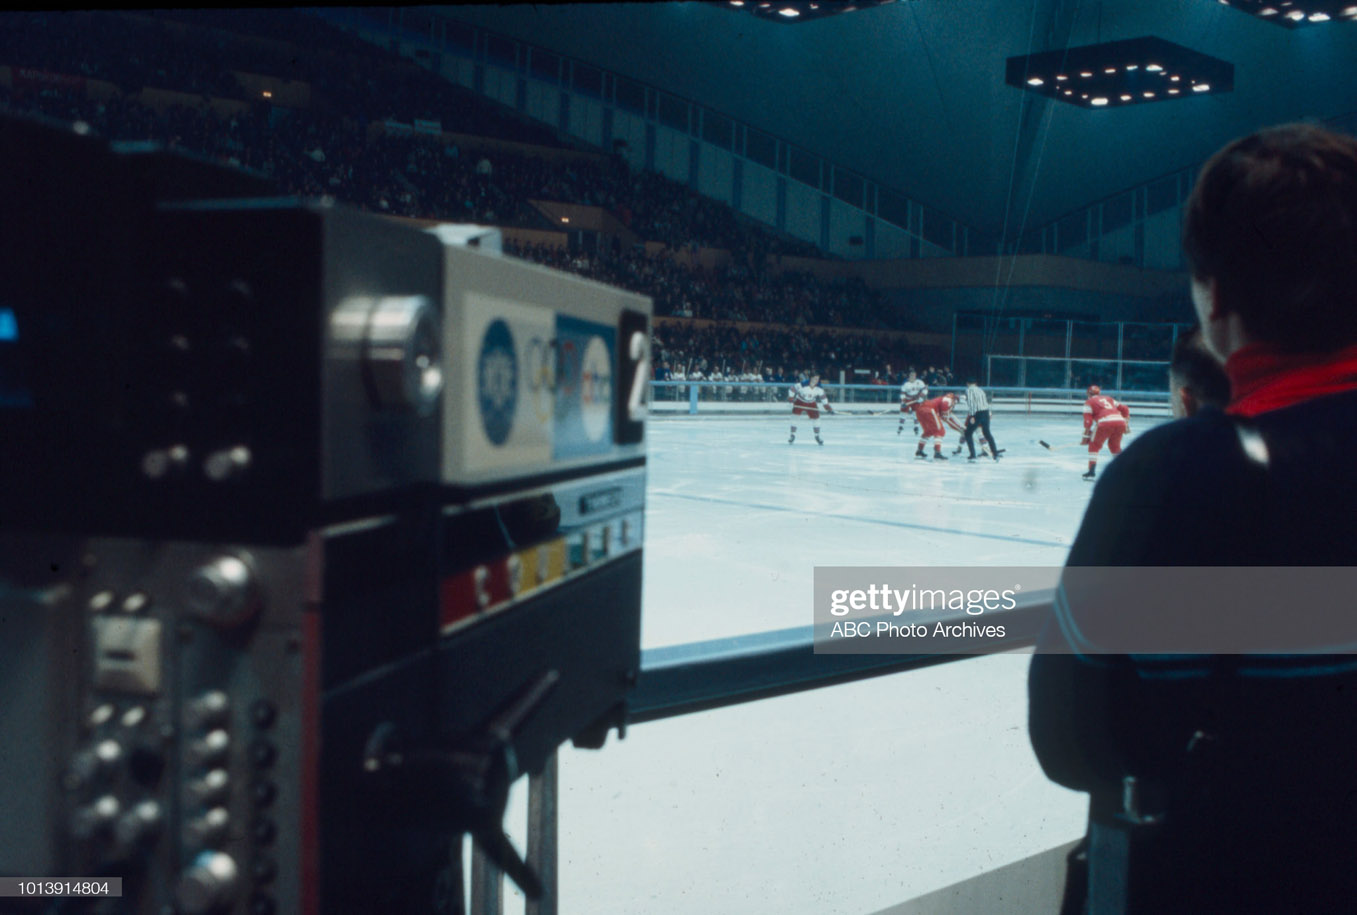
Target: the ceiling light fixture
pixel 1134 70
pixel 798 11
pixel 1316 11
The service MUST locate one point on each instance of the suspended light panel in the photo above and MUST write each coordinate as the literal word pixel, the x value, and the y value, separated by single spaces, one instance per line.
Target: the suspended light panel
pixel 789 11
pixel 1133 71
pixel 1295 14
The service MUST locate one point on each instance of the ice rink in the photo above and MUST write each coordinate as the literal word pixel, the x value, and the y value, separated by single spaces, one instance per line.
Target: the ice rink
pixel 848 799
pixel 737 519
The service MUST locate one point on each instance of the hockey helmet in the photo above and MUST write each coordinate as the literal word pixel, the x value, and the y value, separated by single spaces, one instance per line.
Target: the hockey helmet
pixel 1094 390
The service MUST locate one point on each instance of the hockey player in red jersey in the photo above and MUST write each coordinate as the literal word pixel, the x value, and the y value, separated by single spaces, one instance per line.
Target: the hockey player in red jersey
pixel 808 400
pixel 1105 420
pixel 932 414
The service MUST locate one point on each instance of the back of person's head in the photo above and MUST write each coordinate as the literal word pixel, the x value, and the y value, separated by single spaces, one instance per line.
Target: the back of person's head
pixel 1273 221
pixel 1196 378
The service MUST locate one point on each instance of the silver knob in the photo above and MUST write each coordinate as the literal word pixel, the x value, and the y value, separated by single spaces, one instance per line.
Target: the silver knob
pixel 210 748
pixel 136 602
pixel 93 764
pixel 212 788
pixel 208 884
pixel 164 462
pixel 101 714
pixel 402 353
pixel 138 825
pixel 222 592
pixel 209 709
pixel 207 829
pixel 227 464
pixel 108 752
pixel 92 819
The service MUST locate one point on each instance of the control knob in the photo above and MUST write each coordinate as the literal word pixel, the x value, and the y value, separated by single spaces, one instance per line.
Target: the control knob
pixel 207 829
pixel 212 788
pixel 92 764
pixel 402 354
pixel 207 885
pixel 93 819
pixel 209 709
pixel 138 826
pixel 223 592
pixel 209 749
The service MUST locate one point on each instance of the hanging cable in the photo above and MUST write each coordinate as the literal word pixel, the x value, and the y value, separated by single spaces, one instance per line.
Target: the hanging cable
pixel 1043 132
pixel 990 333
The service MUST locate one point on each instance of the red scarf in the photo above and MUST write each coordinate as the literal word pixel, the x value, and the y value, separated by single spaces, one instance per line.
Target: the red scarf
pixel 1263 379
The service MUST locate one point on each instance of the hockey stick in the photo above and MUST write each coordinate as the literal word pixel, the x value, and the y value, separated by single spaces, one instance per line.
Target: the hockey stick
pixel 843 412
pixel 1050 447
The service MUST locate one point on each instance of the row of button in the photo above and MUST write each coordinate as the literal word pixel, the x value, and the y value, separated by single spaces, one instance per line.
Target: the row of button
pixel 206 757
pixel 221 591
pixel 493 586
pixel 120 758
pixel 104 818
pixel 178 299
pixel 107 602
pixel 221 365
pixel 262 754
pixel 213 878
pixel 100 715
pixel 220 466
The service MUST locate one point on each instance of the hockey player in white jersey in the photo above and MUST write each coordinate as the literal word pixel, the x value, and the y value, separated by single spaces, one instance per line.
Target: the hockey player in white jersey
pixel 808 400
pixel 912 392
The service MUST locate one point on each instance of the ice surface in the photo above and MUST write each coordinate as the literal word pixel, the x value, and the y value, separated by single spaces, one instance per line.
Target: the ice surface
pixel 737 519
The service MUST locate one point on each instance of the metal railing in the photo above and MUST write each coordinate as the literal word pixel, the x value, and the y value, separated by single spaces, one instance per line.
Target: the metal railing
pixel 700 676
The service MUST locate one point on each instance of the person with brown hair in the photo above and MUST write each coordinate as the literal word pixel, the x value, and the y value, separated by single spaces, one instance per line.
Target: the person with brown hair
pixel 1224 782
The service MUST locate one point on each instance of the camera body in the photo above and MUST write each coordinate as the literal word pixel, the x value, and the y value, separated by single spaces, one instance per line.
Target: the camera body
pixel 283 483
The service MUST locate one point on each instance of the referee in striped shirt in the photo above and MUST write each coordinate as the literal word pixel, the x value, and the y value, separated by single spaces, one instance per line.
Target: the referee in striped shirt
pixel 978 404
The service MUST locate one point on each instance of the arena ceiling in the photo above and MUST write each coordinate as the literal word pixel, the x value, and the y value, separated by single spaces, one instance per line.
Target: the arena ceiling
pixel 912 93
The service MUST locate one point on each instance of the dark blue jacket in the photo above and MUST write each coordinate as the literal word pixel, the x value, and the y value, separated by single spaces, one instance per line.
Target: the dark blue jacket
pixel 1251 761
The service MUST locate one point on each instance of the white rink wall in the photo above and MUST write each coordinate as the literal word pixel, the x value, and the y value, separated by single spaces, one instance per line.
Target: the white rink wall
pixel 717 398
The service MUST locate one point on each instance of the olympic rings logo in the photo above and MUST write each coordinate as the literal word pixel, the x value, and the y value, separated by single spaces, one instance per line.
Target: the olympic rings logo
pixel 551 366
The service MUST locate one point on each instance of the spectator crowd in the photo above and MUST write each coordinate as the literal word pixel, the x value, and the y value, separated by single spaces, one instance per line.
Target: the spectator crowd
pixel 330 149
